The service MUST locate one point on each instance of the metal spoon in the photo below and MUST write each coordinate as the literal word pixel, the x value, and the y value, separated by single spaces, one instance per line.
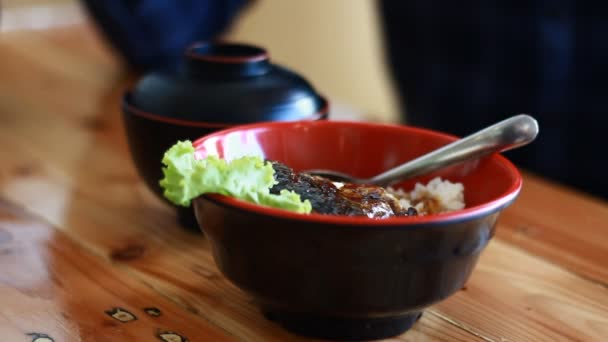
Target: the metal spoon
pixel 505 135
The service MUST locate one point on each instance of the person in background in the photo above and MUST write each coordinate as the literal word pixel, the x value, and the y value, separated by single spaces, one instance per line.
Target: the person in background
pixel 457 66
pixel 463 65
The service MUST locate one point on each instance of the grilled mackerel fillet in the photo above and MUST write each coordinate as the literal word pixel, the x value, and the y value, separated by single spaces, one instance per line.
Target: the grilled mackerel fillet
pixel 332 198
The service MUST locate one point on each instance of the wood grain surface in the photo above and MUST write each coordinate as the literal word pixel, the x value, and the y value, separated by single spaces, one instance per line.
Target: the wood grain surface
pixel 80 234
pixel 49 285
pixel 566 227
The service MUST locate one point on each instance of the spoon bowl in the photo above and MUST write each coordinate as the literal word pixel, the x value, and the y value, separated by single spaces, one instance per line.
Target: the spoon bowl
pixel 511 133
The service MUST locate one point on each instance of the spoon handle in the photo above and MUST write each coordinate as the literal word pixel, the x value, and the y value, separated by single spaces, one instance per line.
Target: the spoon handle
pixel 505 135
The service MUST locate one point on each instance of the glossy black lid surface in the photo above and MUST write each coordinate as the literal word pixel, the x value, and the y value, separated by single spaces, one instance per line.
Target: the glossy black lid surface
pixel 227 83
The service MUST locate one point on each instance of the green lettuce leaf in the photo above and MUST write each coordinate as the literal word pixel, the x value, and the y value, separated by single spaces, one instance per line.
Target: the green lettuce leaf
pixel 248 178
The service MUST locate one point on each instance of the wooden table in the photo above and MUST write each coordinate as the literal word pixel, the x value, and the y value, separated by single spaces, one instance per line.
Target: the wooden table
pixel 88 254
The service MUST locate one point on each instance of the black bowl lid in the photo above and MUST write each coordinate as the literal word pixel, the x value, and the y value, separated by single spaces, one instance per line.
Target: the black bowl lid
pixel 227 83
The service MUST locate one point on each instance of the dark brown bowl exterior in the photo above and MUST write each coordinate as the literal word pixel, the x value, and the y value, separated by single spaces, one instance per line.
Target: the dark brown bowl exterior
pixel 340 281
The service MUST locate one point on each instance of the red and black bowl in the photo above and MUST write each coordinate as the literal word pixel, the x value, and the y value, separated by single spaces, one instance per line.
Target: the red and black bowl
pixel 218 85
pixel 340 277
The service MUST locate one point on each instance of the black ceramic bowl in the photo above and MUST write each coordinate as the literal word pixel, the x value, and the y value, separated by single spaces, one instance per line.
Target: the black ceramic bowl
pixel 344 277
pixel 219 85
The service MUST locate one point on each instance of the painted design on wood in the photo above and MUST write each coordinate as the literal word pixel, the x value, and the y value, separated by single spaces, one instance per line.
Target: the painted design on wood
pixel 169 336
pixel 121 315
pixel 154 312
pixel 37 337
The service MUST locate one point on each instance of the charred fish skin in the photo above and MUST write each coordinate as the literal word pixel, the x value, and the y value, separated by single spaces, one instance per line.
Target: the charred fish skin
pixel 321 192
pixel 348 200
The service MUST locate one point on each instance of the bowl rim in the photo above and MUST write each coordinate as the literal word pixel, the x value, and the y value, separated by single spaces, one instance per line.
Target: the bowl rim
pixel 468 213
pixel 130 108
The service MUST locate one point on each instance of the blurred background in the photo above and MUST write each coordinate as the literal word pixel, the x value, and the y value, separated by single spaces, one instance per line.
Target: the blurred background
pixel 339 50
pixel 458 67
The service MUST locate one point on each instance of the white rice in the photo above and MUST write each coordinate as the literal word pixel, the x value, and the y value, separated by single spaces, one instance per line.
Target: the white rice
pixel 437 196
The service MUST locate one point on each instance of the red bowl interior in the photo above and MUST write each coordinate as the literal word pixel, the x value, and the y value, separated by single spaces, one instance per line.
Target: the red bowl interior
pixel 363 150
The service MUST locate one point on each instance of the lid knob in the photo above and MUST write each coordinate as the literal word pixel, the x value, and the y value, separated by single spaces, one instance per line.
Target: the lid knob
pixel 226 60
